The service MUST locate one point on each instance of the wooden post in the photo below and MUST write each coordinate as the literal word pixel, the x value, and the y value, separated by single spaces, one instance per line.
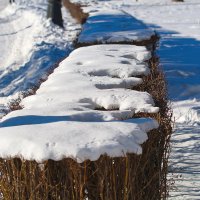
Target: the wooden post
pixel 54 12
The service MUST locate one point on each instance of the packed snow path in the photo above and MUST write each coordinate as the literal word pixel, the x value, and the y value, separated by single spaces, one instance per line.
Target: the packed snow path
pixel 185 163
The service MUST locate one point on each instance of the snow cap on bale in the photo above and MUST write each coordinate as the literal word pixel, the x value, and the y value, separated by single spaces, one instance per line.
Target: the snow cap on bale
pixel 111 26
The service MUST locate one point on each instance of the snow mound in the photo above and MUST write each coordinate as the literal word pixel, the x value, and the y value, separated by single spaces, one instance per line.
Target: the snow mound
pixel 111 26
pixel 65 117
pixel 120 61
pixel 77 140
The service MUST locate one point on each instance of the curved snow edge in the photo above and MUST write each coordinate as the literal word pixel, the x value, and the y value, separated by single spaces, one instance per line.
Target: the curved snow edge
pixel 80 141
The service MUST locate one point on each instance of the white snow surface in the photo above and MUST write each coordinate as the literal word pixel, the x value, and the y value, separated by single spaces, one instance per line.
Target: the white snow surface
pixel 178 25
pixel 3 4
pixel 63 120
pixel 30 45
pixel 112 26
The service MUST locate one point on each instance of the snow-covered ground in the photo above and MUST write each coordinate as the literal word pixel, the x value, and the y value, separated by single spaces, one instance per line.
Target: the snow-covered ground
pixel 3 4
pixel 179 27
pixel 30 45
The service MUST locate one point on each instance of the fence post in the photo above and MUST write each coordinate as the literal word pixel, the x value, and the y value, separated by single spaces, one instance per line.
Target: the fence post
pixel 11 1
pixel 54 12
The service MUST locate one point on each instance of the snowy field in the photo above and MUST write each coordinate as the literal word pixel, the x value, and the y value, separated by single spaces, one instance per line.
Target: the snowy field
pixel 29 46
pixel 178 24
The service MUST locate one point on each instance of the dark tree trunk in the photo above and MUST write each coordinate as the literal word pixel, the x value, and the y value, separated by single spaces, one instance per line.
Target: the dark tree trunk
pixel 54 12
